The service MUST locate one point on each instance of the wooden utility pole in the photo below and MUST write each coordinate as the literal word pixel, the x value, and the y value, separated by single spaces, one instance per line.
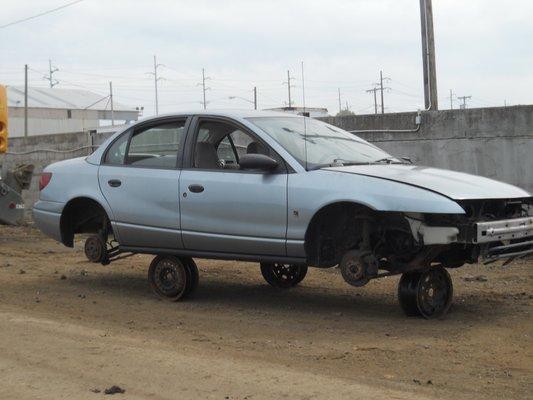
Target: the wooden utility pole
pixel 340 103
pixel 255 97
pixel 26 100
pixel 428 55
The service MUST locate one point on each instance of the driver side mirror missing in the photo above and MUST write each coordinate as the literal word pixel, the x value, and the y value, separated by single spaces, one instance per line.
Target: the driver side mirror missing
pixel 257 162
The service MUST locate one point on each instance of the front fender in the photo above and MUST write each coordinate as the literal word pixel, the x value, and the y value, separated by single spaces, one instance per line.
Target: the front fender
pixel 311 191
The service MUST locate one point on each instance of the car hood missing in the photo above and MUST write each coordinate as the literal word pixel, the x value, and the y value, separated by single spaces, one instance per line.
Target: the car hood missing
pixel 455 185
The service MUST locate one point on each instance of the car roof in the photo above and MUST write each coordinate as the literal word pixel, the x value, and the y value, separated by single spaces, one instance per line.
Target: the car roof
pixel 230 113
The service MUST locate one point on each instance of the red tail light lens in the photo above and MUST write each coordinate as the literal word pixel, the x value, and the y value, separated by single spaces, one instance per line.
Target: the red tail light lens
pixel 45 180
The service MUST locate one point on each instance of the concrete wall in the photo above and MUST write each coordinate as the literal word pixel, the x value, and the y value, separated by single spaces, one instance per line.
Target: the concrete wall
pixel 40 159
pixel 492 142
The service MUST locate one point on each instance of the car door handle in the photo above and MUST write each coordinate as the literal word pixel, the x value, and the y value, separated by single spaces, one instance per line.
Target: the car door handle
pixel 196 188
pixel 114 183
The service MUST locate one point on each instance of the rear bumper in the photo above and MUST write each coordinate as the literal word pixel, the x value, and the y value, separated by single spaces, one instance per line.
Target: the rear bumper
pixel 47 217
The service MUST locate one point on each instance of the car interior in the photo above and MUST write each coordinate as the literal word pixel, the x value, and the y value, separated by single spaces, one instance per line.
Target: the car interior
pixel 219 146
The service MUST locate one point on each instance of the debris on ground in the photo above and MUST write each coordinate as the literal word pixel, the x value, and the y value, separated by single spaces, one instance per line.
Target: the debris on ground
pixel 114 390
pixel 22 271
pixel 95 390
pixel 63 277
pixel 477 278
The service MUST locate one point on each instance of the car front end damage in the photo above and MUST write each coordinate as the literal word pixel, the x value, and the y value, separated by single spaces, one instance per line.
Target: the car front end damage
pixel 489 230
pixel 423 246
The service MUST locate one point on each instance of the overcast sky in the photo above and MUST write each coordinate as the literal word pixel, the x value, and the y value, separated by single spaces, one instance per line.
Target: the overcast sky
pixel 484 49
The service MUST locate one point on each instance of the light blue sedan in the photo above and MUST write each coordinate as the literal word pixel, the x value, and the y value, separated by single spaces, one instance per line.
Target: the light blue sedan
pixel 286 191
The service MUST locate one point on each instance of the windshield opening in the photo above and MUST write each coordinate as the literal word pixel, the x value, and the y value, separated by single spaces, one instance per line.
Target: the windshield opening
pixel 316 144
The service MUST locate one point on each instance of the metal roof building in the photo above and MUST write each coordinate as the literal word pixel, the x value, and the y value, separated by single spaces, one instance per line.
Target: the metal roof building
pixel 53 110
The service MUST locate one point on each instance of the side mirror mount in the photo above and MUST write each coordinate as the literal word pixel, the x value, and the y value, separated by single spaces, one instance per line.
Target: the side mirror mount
pixel 258 162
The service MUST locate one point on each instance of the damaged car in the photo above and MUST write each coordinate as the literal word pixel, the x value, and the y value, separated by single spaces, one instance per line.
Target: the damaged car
pixel 286 191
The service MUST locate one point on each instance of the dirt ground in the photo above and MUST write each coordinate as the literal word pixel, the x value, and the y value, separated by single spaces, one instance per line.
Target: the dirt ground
pixel 70 329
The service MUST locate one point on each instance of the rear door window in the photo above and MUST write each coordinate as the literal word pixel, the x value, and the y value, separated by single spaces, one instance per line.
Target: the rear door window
pixel 156 146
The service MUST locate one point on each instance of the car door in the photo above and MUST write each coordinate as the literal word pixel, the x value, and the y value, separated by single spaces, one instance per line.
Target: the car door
pixel 225 209
pixel 139 178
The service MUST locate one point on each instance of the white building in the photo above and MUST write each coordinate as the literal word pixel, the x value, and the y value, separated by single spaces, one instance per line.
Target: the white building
pixel 53 110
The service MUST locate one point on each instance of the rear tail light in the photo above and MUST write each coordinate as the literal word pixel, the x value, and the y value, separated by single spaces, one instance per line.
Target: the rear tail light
pixel 45 180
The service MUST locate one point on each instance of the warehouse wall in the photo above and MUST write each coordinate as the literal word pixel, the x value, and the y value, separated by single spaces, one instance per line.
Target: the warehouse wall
pixel 492 142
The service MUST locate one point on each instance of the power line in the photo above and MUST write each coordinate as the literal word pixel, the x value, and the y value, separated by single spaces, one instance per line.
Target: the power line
pixel 40 14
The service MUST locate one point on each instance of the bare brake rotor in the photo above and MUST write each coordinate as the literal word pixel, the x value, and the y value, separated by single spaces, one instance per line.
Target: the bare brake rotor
pixel 358 267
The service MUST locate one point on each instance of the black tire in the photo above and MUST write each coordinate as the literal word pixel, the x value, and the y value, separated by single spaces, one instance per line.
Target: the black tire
pixel 283 275
pixel 426 294
pixel 193 276
pixel 168 277
pixel 95 249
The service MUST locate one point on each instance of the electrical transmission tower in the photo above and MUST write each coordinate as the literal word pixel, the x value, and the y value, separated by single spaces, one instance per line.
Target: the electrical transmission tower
pixel 464 98
pixel 50 78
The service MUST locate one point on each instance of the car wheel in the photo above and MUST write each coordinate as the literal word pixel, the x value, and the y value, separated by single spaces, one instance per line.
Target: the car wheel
pixel 95 249
pixel 283 275
pixel 193 276
pixel 426 293
pixel 168 277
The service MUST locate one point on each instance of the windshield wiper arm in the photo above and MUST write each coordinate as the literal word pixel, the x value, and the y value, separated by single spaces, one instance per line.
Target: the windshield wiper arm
pixel 388 160
pixel 338 162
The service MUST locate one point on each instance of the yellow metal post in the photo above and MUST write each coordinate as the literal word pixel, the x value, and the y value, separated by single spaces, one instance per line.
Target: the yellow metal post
pixel 3 119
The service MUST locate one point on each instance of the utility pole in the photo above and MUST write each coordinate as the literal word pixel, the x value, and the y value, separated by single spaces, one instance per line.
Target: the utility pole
pixel 255 97
pixel 156 80
pixel 464 98
pixel 428 55
pixel 50 77
pixel 451 99
pixel 375 98
pixel 26 100
pixel 111 101
pixel 340 103
pixel 289 86
pixel 381 88
pixel 204 89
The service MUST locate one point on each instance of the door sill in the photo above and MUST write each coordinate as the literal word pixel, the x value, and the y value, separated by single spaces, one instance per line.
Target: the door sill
pixel 214 255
